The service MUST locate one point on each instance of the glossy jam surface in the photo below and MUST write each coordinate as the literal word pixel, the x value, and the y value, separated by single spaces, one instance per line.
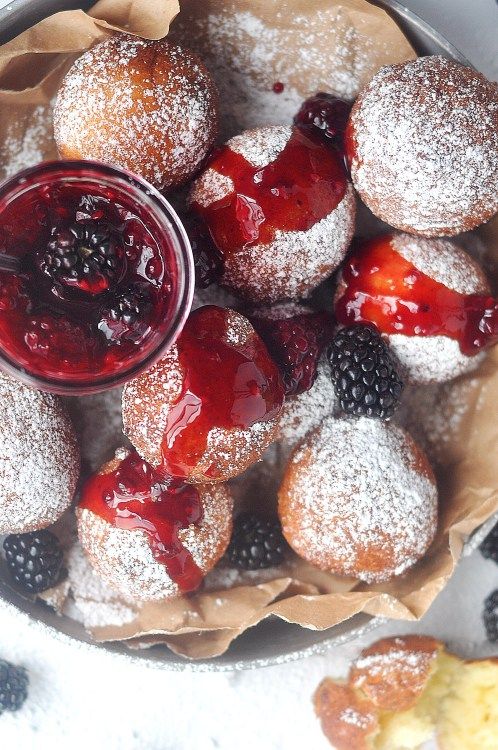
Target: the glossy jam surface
pixel 226 384
pixel 303 185
pixel 60 330
pixel 134 497
pixel 384 288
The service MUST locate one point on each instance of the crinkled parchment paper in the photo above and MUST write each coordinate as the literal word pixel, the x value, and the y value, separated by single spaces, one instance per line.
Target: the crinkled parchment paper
pixel 308 45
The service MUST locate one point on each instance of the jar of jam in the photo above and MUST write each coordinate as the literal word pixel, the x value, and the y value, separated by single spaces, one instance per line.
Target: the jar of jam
pixel 102 278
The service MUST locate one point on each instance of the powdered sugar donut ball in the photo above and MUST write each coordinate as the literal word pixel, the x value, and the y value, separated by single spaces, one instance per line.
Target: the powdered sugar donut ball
pixel 423 146
pixel 280 210
pixel 359 499
pixel 210 407
pixel 427 358
pixel 39 458
pixel 124 557
pixel 147 106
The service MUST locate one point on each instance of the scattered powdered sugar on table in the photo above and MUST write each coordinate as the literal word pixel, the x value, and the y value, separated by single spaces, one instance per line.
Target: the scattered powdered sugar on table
pixel 397 129
pixel 370 495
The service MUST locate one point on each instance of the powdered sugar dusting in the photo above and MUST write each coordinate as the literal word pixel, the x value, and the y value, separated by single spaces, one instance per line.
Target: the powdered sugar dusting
pixel 246 55
pixel 21 150
pixel 368 500
pixel 261 146
pixel 144 105
pixel 427 146
pixel 350 716
pixel 39 458
pixel 432 359
pixel 302 413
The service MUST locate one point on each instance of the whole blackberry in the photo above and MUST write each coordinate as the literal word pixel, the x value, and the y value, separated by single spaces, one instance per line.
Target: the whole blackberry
pixel 34 560
pixel 85 255
pixel 326 113
pixel 256 543
pixel 296 344
pixel 490 616
pixel 13 686
pixel 489 547
pixel 365 378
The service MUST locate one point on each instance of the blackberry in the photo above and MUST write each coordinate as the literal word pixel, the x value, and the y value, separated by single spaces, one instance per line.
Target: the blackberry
pixel 13 686
pixel 34 560
pixel 126 314
pixel 490 616
pixel 256 543
pixel 365 378
pixel 86 255
pixel 326 113
pixel 296 345
pixel 208 261
pixel 489 547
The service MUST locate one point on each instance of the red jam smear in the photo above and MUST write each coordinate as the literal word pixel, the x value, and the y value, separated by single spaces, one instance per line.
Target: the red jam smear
pixel 384 288
pixel 303 185
pixel 224 385
pixel 134 497
pixel 53 329
pixel 278 87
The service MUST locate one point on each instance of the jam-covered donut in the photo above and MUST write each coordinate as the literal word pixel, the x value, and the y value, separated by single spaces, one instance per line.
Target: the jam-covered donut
pixel 40 458
pixel 280 210
pixel 147 106
pixel 210 407
pixel 427 296
pixel 359 499
pixel 422 144
pixel 148 539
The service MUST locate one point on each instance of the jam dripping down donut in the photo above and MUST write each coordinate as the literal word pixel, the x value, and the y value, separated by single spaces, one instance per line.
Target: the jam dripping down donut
pixel 133 496
pixel 303 185
pixel 382 287
pixel 224 386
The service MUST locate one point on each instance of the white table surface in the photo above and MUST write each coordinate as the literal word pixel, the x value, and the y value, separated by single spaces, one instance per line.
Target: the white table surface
pixel 80 700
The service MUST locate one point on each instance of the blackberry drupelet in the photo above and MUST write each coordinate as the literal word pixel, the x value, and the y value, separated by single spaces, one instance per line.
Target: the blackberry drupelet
pixel 256 543
pixel 296 345
pixel 490 616
pixel 489 547
pixel 13 686
pixel 129 306
pixel 86 255
pixel 365 378
pixel 34 560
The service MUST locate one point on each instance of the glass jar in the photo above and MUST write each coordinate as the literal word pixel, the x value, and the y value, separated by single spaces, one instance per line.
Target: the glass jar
pixel 105 279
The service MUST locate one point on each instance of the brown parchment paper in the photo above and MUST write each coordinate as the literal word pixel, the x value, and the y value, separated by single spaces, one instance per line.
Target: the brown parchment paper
pixel 346 42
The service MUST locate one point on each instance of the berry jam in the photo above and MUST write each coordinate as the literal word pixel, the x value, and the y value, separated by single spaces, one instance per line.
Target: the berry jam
pixel 303 185
pixel 384 288
pixel 134 497
pixel 101 276
pixel 225 385
pixel 328 115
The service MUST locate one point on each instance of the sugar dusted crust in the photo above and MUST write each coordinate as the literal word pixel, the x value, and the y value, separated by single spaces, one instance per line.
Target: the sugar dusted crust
pixel 147 106
pixel 39 458
pixel 124 560
pixel 393 672
pixel 148 398
pixel 294 263
pixel 359 499
pixel 426 135
pixel 349 720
